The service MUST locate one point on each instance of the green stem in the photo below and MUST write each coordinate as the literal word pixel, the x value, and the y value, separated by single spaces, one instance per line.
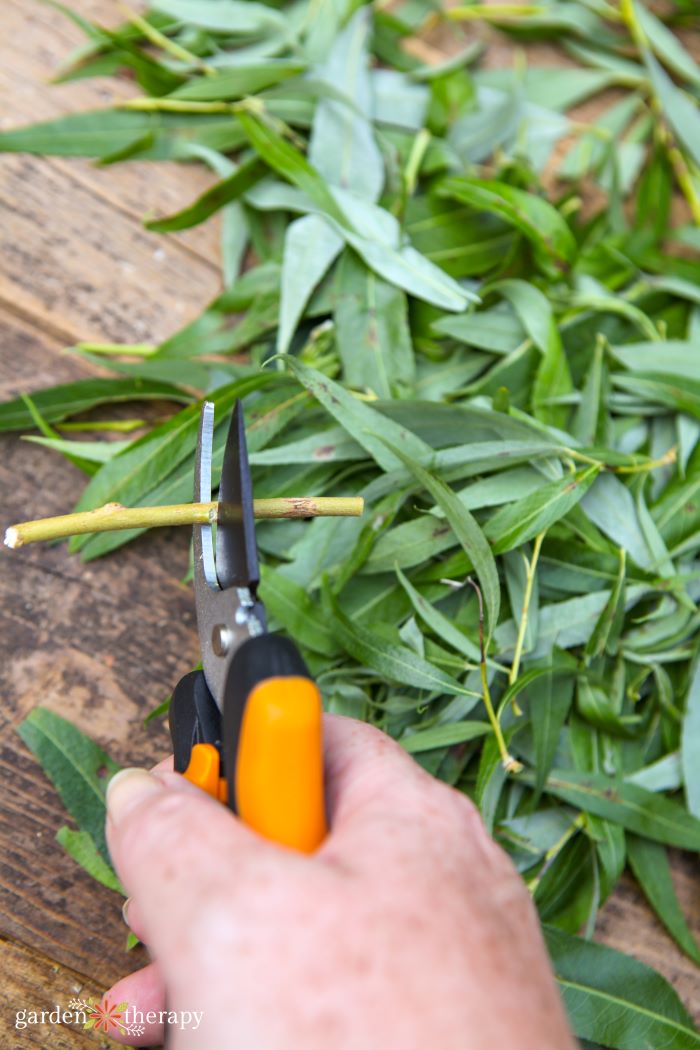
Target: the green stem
pixel 510 764
pixel 531 565
pixel 495 12
pixel 165 43
pixel 114 516
pixel 126 350
pixel 177 105
pixel 554 851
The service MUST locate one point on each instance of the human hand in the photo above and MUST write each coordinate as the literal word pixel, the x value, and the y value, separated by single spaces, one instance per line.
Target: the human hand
pixel 408 928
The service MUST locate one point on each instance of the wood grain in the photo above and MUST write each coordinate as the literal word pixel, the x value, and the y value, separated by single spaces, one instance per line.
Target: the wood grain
pixel 29 984
pixel 104 643
pixel 76 256
pixel 101 643
pixel 627 923
pixel 26 96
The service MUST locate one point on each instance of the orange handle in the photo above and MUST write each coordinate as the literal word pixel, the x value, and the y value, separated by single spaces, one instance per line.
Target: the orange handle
pixel 203 771
pixel 279 769
pixel 279 766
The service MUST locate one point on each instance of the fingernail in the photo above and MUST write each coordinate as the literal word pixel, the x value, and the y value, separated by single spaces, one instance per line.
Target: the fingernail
pixel 127 789
pixel 125 912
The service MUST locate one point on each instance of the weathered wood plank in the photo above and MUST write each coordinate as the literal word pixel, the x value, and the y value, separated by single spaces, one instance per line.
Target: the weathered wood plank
pixel 27 96
pixel 75 263
pixel 627 923
pixel 76 255
pixel 30 983
pixel 102 644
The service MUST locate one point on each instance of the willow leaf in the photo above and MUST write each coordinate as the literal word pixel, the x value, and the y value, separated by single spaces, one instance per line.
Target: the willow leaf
pixel 225 16
pixel 682 114
pixel 83 850
pixel 372 330
pixel 440 624
pixel 443 736
pixel 77 767
pixel 616 1001
pixel 650 864
pixel 69 399
pixel 520 521
pixel 310 247
pixel 534 217
pixel 342 146
pixel 398 663
pixel 690 740
pixel 647 814
pixel 232 188
pixel 369 428
pixel 467 531
pixel 104 132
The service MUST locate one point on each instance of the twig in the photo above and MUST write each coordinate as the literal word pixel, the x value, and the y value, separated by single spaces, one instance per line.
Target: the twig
pixel 122 349
pixel 147 104
pixel 495 12
pixel 530 566
pixel 510 764
pixel 164 42
pixel 554 851
pixel 115 516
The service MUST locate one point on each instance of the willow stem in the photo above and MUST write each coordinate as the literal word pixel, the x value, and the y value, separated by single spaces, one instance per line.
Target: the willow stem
pixel 531 565
pixel 495 12
pixel 554 851
pixel 115 516
pixel 177 105
pixel 510 764
pixel 164 42
pixel 122 349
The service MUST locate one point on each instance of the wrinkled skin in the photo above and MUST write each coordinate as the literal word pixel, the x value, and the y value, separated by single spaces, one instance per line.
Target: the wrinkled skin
pixel 409 928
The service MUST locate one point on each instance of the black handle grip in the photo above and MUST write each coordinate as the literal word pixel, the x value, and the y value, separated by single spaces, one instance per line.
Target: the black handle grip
pixel 194 718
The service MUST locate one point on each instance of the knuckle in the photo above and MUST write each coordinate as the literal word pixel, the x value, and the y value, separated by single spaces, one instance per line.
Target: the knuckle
pixel 163 821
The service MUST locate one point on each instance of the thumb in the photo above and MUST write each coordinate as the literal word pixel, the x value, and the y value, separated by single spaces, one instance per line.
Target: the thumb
pixel 174 847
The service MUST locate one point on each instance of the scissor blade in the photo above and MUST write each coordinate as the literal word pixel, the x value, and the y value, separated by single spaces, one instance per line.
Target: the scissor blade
pixel 203 542
pixel 236 549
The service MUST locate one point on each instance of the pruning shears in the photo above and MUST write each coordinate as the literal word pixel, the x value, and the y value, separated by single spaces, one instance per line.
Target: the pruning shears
pixel 246 728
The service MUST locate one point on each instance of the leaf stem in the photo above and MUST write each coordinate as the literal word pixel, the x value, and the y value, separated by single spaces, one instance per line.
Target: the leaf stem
pixel 629 468
pixel 495 12
pixel 510 764
pixel 123 349
pixel 171 47
pixel 531 565
pixel 114 516
pixel 177 105
pixel 554 851
pixel 669 456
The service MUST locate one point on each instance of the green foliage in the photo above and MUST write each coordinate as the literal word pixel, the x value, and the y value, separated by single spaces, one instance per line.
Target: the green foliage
pixel 510 380
pixel 78 768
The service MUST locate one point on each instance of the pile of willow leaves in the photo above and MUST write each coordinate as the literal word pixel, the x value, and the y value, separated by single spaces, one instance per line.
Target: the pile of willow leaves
pixel 509 375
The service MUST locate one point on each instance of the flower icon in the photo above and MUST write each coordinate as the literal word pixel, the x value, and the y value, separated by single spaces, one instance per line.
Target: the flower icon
pixel 105 1016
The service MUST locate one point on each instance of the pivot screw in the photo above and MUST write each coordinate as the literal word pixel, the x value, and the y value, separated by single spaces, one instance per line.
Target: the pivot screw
pixel 221 638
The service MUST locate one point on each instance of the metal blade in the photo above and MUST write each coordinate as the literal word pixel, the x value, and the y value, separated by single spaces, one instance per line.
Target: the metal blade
pixel 227 612
pixel 203 542
pixel 236 549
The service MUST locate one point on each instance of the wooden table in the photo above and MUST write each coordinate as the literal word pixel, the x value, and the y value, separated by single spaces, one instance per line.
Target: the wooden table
pixel 78 265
